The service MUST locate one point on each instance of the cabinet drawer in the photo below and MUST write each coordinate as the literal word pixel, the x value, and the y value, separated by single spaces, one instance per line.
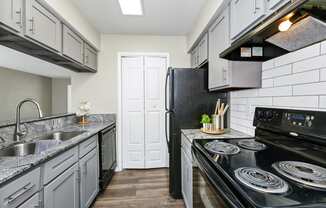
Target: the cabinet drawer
pixel 20 190
pixel 72 45
pixel 186 145
pixel 33 202
pixel 87 146
pixel 56 166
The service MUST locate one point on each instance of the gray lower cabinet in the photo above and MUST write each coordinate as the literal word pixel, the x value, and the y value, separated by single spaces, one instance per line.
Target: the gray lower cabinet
pixel 90 57
pixel 72 45
pixel 186 171
pixel 11 14
pixel 63 191
pixel 20 190
pixel 42 26
pixel 33 202
pixel 88 178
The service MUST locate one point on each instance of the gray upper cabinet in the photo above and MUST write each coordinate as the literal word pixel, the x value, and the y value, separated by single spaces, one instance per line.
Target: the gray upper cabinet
pixel 89 178
pixel 245 13
pixel 11 14
pixel 203 50
pixel 272 5
pixel 218 41
pixel 42 25
pixel 90 57
pixel 72 45
pixel 64 190
pixel 199 54
pixel 224 74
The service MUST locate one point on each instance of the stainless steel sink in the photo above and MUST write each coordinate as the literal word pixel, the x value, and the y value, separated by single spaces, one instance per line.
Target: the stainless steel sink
pixel 61 135
pixel 21 149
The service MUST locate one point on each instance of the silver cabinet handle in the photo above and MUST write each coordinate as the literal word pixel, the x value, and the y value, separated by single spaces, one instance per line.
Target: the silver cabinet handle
pixel 256 7
pixel 85 169
pixel 19 12
pixel 86 59
pixel 19 193
pixel 32 25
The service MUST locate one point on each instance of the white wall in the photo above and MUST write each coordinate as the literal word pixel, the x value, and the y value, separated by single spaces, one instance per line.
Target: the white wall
pixel 207 14
pixel 101 88
pixel 296 80
pixel 60 95
pixel 16 86
pixel 71 14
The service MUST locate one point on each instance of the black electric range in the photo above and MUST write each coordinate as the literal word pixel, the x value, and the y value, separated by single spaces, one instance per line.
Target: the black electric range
pixel 284 165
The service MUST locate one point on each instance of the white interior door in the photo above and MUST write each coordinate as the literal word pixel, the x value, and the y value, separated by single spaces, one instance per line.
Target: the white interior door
pixel 133 112
pixel 155 145
pixel 143 112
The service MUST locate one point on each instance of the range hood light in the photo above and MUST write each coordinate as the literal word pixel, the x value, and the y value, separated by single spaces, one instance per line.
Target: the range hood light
pixel 285 25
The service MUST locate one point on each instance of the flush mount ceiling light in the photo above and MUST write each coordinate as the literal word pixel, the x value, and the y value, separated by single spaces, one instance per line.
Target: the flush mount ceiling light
pixel 131 7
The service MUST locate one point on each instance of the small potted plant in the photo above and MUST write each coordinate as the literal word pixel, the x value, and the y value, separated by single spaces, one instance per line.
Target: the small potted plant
pixel 205 120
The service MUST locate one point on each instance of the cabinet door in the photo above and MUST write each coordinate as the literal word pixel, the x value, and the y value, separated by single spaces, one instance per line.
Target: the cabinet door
pixel 64 190
pixel 245 13
pixel 274 4
pixel 90 59
pixel 72 45
pixel 33 202
pixel 218 41
pixel 186 170
pixel 42 25
pixel 11 14
pixel 89 178
pixel 203 50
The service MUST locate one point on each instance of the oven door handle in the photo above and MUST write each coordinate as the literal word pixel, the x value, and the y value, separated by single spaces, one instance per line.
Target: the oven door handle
pixel 215 180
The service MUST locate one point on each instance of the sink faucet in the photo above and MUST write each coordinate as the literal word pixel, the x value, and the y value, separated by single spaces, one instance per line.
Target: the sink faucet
pixel 18 132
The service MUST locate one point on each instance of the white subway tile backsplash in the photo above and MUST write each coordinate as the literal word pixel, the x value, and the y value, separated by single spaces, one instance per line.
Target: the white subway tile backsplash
pixel 323 47
pixel 296 102
pixel 276 91
pixel 239 101
pixel 267 83
pixel 277 72
pixel 296 80
pixel 322 102
pixel 310 64
pixel 310 89
pixel 323 75
pixel 268 64
pixel 298 55
pixel 259 101
pixel 299 78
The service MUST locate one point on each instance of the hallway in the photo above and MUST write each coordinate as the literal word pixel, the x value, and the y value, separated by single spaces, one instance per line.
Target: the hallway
pixel 138 188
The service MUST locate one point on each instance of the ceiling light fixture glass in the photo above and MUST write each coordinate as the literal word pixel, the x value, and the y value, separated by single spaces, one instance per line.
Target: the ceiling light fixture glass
pixel 131 7
pixel 285 25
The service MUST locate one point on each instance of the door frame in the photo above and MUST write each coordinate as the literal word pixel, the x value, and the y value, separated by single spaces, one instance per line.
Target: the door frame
pixel 120 143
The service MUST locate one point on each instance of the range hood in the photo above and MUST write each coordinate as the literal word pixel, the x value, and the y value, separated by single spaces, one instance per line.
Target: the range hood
pixel 308 20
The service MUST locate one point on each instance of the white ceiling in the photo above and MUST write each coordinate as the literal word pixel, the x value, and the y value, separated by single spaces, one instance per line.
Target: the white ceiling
pixel 161 17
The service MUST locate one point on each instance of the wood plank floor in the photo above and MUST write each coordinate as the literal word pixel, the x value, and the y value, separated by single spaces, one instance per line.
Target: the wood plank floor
pixel 138 188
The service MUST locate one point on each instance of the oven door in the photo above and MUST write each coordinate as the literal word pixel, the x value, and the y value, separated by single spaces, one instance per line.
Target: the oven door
pixel 209 190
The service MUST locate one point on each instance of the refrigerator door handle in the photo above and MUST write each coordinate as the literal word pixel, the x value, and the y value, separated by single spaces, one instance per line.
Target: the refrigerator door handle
pixel 166 130
pixel 166 90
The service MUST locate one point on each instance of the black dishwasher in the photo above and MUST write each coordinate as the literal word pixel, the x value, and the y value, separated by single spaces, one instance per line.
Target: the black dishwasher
pixel 107 153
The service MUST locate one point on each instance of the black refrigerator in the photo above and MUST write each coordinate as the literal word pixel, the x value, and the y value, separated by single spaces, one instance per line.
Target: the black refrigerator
pixel 186 99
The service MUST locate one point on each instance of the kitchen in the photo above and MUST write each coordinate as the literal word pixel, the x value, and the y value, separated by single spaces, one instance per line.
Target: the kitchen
pixel 220 105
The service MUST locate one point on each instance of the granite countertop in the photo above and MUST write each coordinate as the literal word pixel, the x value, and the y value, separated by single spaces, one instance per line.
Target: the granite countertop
pixel 192 134
pixel 11 167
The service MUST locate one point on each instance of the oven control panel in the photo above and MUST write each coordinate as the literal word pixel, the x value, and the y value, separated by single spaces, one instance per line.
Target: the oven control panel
pixel 300 119
pixel 279 117
pixel 294 122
